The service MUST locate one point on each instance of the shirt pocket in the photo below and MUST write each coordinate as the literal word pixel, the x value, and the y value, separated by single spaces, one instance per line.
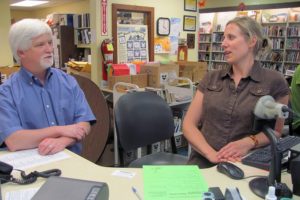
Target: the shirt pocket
pixel 259 91
pixel 215 87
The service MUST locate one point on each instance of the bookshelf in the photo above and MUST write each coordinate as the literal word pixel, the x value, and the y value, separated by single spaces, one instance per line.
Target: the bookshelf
pixel 281 26
pixel 82 30
pixel 210 49
pixel 204 46
pixel 276 32
pixel 292 58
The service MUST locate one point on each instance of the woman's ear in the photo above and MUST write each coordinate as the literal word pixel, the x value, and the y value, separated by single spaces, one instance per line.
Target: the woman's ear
pixel 252 41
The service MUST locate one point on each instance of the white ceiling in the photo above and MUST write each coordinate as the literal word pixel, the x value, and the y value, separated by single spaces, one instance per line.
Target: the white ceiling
pixel 51 3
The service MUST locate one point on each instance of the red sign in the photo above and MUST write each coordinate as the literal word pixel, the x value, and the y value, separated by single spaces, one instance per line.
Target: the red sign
pixel 104 17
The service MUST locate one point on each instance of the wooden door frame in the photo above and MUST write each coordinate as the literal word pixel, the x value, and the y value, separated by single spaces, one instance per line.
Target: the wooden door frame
pixel 149 22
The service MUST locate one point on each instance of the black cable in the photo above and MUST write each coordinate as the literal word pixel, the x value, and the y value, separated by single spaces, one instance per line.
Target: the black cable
pixel 254 176
pixel 257 176
pixel 31 177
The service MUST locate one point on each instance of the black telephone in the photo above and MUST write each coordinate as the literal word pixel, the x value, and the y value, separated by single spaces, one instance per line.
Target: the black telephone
pixel 6 169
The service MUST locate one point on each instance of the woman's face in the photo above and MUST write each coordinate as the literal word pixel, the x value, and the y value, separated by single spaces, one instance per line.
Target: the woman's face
pixel 236 47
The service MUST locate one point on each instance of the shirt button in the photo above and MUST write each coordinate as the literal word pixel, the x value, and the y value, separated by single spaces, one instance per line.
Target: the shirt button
pixel 259 91
pixel 47 106
pixel 31 83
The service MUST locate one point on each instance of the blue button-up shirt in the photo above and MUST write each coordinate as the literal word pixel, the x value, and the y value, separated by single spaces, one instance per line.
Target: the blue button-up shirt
pixel 27 104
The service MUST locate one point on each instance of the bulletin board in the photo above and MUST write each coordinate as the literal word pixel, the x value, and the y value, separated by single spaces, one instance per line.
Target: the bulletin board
pixel 132 43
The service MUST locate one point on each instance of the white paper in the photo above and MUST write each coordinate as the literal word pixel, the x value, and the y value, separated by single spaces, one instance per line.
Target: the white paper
pixel 124 174
pixel 26 194
pixel 30 158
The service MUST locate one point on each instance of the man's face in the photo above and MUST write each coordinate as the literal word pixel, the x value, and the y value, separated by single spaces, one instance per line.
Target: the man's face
pixel 40 55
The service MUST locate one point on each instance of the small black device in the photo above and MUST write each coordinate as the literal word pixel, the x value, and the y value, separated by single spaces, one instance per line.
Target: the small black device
pixel 218 195
pixel 5 170
pixel 230 170
pixel 232 194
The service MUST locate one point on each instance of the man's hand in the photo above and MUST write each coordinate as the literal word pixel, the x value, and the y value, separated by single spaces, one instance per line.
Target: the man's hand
pixel 76 131
pixel 51 146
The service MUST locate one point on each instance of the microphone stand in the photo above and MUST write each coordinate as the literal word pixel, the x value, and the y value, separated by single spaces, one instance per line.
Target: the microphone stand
pixel 259 186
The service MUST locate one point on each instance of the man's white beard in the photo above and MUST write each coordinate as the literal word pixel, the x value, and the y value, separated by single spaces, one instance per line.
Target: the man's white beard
pixel 46 62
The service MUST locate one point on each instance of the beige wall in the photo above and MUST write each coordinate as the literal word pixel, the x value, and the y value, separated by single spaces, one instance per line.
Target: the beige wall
pixel 6 58
pixel 75 7
pixel 17 15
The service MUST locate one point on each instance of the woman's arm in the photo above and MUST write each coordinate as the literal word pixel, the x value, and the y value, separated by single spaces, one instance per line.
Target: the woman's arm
pixel 191 131
pixel 235 150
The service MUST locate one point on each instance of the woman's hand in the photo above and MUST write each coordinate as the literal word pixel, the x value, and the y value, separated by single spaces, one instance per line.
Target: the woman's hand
pixel 213 157
pixel 234 151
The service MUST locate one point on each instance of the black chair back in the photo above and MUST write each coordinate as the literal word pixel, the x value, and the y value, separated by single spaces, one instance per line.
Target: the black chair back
pixel 141 119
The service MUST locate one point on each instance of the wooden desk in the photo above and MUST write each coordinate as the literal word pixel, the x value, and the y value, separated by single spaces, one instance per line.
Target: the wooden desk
pixel 120 188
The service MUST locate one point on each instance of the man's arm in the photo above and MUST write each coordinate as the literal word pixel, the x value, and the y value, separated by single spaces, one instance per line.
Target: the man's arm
pixel 54 145
pixel 27 139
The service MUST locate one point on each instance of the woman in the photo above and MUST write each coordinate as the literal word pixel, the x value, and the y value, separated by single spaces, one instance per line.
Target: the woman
pixel 225 99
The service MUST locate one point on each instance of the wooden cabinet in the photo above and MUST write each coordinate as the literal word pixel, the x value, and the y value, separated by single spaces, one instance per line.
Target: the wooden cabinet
pixel 64 46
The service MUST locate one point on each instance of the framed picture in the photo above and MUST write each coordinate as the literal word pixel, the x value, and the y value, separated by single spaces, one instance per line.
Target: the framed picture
pixel 189 23
pixel 190 5
pixel 190 37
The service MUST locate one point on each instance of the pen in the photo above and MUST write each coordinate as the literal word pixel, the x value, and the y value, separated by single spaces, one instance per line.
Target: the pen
pixel 134 190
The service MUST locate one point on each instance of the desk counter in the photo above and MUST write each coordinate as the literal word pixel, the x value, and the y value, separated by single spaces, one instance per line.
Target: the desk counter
pixel 120 187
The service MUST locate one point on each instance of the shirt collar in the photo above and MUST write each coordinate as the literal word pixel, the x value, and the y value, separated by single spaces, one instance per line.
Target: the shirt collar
pixel 255 73
pixel 29 77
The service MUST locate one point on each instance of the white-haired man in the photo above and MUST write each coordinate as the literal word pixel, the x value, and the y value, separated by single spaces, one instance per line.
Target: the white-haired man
pixel 40 106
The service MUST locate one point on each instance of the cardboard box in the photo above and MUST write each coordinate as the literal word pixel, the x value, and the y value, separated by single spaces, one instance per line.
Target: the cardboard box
pixel 159 74
pixel 112 80
pixel 9 70
pixel 192 70
pixel 140 80
pixel 83 73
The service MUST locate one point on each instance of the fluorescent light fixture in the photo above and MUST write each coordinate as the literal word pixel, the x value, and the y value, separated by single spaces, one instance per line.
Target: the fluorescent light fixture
pixel 29 3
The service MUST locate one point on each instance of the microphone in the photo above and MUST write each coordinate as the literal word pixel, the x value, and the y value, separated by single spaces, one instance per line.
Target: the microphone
pixel 267 108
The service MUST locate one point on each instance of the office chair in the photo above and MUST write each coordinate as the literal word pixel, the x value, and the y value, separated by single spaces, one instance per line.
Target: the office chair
pixel 94 143
pixel 141 119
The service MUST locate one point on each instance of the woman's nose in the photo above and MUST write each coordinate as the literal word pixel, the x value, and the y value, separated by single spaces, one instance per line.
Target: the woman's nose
pixel 224 43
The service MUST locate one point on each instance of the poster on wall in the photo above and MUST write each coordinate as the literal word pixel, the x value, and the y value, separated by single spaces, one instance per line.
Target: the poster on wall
pixel 162 45
pixel 174 35
pixel 132 43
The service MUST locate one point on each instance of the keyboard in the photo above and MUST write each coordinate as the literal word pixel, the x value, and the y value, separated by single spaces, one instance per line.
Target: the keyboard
pixel 261 158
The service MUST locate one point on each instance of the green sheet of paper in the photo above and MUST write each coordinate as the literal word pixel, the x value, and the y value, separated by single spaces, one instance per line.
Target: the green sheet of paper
pixel 174 182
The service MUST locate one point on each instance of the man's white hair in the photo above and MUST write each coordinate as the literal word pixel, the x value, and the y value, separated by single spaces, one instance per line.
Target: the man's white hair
pixel 22 32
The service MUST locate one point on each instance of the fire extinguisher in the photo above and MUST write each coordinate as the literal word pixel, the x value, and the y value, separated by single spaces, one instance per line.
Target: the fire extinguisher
pixel 107 51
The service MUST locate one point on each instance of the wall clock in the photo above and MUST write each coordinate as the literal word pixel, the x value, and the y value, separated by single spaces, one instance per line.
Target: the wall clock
pixel 163 26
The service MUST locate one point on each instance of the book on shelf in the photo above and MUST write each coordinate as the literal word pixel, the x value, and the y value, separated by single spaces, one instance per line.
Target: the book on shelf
pixel 81 20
